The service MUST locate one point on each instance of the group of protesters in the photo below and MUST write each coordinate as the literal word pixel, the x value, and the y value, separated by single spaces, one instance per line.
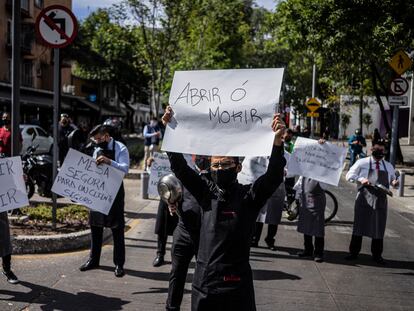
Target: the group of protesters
pixel 228 216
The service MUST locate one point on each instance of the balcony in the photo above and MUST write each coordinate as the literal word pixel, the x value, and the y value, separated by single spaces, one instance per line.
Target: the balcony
pixel 25 7
pixel 26 38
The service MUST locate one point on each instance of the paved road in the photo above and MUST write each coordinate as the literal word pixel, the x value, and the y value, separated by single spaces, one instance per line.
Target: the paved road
pixel 282 281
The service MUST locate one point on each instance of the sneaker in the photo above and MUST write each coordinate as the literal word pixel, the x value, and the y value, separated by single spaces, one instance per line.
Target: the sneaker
pixel 11 277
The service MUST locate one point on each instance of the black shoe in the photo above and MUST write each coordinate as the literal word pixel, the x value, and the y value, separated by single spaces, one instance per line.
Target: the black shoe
pixel 318 258
pixel 158 261
pixel 270 244
pixel 351 257
pixel 305 254
pixel 89 265
pixel 379 260
pixel 119 271
pixel 11 277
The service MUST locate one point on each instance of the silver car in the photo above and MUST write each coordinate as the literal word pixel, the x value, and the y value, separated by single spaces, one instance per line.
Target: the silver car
pixel 34 135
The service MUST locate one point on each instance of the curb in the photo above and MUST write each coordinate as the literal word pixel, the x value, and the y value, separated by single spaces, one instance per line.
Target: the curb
pixel 41 244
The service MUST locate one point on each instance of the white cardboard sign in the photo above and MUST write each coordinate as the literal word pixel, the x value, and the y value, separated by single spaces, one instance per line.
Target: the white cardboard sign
pixel 161 167
pixel 253 168
pixel 12 186
pixel 223 112
pixel 84 182
pixel 321 162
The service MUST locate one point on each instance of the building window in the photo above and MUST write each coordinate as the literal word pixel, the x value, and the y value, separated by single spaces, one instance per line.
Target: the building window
pixel 25 5
pixel 9 31
pixel 39 4
pixel 9 73
pixel 27 73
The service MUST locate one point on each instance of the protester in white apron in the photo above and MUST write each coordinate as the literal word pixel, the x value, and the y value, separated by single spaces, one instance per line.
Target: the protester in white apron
pixel 371 204
pixel 270 214
pixel 311 216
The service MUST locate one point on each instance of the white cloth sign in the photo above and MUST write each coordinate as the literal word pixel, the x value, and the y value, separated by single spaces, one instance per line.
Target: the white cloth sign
pixel 161 167
pixel 321 162
pixel 12 186
pixel 84 182
pixel 253 168
pixel 223 112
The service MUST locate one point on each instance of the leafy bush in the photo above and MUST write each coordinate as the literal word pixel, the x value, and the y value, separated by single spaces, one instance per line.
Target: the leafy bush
pixel 67 213
pixel 136 153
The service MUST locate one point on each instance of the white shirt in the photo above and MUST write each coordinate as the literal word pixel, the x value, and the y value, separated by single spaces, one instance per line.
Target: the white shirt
pixel 360 169
pixel 121 156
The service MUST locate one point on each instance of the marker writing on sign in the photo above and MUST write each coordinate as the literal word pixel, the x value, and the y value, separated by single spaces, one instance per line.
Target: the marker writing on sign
pixel 194 96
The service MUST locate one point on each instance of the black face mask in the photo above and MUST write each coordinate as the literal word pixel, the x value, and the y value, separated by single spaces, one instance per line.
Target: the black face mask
pixel 224 178
pixel 103 145
pixel 6 122
pixel 378 154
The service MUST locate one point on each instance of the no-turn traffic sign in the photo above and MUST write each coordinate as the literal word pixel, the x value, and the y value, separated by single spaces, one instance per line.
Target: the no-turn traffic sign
pixel 56 26
pixel 399 86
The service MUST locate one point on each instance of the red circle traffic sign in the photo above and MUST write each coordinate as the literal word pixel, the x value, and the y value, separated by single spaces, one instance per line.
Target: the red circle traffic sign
pixel 399 86
pixel 56 26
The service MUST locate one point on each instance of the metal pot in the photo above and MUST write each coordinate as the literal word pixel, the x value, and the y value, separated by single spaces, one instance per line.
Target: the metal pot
pixel 170 189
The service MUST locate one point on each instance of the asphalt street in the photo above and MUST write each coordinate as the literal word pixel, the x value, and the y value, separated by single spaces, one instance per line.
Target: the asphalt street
pixel 282 280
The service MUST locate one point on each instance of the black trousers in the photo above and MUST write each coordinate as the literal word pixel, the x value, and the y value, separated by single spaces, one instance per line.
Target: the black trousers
pixel 271 233
pixel 118 236
pixel 183 249
pixel 377 246
pixel 161 244
pixel 6 262
pixel 316 249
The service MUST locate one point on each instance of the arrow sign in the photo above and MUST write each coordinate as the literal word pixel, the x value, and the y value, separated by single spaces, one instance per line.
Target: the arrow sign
pixel 56 26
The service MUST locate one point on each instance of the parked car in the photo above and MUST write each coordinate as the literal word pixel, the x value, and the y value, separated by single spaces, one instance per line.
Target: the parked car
pixel 35 135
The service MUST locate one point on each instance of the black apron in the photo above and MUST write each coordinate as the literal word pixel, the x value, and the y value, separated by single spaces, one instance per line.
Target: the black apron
pixel 5 244
pixel 115 218
pixel 371 206
pixel 165 223
pixel 312 209
pixel 225 282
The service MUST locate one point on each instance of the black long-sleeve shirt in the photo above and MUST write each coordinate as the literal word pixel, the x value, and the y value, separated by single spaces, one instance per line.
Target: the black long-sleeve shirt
pixel 227 219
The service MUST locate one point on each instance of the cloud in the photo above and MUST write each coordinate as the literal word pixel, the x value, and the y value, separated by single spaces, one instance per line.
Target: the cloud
pixel 93 4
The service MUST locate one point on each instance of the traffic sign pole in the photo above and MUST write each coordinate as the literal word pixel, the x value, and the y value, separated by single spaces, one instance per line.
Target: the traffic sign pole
pixel 15 98
pixel 394 138
pixel 56 27
pixel 56 102
pixel 313 96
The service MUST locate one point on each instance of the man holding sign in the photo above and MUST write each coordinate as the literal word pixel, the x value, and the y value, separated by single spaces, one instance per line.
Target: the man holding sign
pixel 223 277
pixel 113 153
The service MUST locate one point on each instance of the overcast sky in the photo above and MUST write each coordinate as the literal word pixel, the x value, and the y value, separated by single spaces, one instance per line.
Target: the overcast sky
pixel 82 8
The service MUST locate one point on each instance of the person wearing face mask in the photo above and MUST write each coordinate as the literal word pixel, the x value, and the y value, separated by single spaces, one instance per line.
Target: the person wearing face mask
pixel 223 277
pixel 371 203
pixel 356 144
pixel 64 129
pixel 115 154
pixel 152 136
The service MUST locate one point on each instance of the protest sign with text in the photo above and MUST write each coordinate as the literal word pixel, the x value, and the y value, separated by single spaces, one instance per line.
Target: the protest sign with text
pixel 83 181
pixel 253 168
pixel 223 112
pixel 321 162
pixel 12 186
pixel 161 167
